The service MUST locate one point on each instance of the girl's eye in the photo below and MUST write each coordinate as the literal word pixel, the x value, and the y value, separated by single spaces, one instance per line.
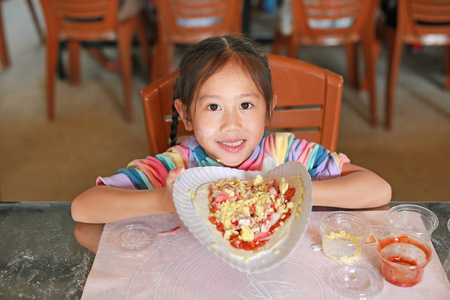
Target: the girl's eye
pixel 246 105
pixel 213 107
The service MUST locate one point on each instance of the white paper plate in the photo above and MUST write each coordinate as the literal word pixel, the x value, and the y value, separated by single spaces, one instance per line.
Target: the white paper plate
pixel 193 178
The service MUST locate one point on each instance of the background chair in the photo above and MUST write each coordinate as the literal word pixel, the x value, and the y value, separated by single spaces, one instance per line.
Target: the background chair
pixel 309 104
pixel 188 22
pixel 4 57
pixel 92 20
pixel 333 23
pixel 424 22
pixel 35 20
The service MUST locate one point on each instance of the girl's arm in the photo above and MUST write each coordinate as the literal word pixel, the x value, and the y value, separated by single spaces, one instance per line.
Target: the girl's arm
pixel 104 204
pixel 356 188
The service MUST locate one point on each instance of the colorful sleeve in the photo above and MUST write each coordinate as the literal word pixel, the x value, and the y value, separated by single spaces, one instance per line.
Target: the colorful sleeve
pixel 148 173
pixel 118 180
pixel 320 162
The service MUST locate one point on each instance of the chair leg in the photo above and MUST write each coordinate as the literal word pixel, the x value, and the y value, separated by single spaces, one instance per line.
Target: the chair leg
pixel 52 58
pixel 369 63
pixel 125 35
pixel 376 54
pixel 352 64
pixel 143 42
pixel 170 59
pixel 60 65
pixel 278 42
pixel 161 61
pixel 154 73
pixel 74 58
pixel 98 54
pixel 4 57
pixel 35 20
pixel 447 68
pixel 394 57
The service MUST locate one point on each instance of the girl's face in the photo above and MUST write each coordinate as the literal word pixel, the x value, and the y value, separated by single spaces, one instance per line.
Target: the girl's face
pixel 229 116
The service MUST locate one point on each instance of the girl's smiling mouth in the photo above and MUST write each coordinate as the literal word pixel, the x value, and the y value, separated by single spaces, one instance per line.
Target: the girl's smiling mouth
pixel 232 145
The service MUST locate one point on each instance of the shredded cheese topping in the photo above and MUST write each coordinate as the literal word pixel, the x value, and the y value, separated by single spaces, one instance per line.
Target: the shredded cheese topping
pixel 249 210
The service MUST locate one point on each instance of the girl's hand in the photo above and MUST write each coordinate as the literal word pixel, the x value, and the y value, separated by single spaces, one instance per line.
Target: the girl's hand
pixel 172 176
pixel 170 180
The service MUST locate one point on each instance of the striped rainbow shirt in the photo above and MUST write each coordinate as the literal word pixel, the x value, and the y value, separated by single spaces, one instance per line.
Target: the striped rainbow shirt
pixel 273 150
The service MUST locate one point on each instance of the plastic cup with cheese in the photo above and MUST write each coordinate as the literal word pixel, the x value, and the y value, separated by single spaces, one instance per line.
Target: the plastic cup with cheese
pixel 343 235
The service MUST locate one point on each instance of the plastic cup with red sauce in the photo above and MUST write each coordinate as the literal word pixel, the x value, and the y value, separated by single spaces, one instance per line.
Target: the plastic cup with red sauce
pixel 413 220
pixel 403 259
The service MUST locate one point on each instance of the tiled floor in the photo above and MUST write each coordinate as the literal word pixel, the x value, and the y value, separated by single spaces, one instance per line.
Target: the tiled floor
pixel 56 161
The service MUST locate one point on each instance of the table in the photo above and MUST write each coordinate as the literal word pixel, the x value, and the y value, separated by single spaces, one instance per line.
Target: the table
pixel 40 258
pixel 39 255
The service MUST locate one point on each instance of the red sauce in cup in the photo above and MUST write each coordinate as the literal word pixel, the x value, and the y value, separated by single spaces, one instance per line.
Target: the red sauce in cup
pixel 399 268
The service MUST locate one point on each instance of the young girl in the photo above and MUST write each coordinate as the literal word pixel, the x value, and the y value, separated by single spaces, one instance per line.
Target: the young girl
pixel 224 95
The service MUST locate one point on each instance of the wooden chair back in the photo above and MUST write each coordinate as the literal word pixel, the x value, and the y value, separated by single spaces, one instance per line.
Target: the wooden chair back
pixel 91 20
pixel 424 22
pixel 336 23
pixel 188 22
pixel 82 20
pixel 309 100
pixel 309 104
pixel 326 15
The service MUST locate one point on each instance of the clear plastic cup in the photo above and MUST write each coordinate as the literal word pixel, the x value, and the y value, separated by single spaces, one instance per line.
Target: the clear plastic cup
pixel 403 259
pixel 343 235
pixel 413 220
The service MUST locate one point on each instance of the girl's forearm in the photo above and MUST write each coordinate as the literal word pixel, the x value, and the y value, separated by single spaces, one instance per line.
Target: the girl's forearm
pixel 356 188
pixel 103 204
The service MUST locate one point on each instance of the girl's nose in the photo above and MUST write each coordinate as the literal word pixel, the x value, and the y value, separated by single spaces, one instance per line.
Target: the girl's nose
pixel 230 121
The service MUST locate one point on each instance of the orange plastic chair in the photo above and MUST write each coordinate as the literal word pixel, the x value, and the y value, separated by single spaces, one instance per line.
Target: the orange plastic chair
pixel 309 28
pixel 424 22
pixel 4 56
pixel 183 22
pixel 91 20
pixel 35 20
pixel 309 104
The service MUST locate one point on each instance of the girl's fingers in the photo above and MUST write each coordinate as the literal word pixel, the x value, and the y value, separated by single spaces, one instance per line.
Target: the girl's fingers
pixel 170 180
pixel 173 175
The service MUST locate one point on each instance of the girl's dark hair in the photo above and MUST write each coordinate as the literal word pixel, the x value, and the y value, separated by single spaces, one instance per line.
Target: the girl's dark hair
pixel 207 57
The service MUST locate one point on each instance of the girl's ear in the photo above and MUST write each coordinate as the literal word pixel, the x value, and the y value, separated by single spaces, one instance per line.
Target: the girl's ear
pixel 183 114
pixel 274 102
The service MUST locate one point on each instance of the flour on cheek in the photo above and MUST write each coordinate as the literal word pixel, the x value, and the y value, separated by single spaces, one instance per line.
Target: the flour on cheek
pixel 203 133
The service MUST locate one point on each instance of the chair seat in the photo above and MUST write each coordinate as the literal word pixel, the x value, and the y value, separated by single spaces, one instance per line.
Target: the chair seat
pixel 428 39
pixel 330 40
pixel 193 36
pixel 89 35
